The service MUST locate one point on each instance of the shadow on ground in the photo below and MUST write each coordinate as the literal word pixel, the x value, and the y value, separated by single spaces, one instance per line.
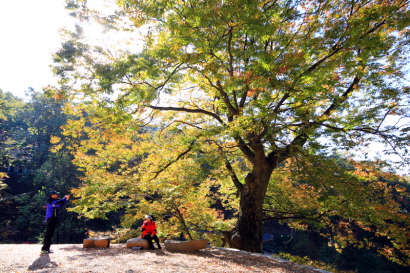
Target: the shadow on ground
pixel 42 262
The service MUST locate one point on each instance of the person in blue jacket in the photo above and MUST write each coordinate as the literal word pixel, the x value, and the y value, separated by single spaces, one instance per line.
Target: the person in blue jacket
pixel 52 215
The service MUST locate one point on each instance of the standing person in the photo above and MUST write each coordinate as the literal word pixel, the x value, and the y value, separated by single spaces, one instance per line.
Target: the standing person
pixel 52 215
pixel 149 232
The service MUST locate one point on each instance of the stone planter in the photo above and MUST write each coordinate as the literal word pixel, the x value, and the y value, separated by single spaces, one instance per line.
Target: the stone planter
pixel 185 245
pixel 96 242
pixel 137 242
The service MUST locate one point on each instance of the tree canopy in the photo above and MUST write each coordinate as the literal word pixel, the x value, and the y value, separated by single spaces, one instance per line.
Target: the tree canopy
pixel 249 85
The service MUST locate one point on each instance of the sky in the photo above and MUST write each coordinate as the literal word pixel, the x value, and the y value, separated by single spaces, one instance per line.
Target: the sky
pixel 29 34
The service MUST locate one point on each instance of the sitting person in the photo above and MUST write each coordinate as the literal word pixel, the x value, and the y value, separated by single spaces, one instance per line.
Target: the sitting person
pixel 149 232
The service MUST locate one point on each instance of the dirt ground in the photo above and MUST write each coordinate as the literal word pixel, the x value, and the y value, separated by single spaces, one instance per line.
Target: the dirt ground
pixel 118 258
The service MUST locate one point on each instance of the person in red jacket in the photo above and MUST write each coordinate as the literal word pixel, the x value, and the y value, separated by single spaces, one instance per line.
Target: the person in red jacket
pixel 149 232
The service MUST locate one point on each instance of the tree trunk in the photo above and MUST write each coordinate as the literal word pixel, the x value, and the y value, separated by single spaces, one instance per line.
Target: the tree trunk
pixel 248 233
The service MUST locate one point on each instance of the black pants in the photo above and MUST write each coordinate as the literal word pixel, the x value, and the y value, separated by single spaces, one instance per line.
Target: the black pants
pixel 149 238
pixel 51 226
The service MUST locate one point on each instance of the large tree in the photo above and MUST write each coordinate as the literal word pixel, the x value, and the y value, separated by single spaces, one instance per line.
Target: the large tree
pixel 270 79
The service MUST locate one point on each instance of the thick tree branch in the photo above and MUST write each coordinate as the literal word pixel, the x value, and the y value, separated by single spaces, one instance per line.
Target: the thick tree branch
pixel 302 138
pixel 315 65
pixel 245 149
pixel 186 123
pixel 224 95
pixel 373 29
pixel 177 213
pixel 13 197
pixel 282 100
pixel 239 186
pixel 368 130
pixel 226 100
pixel 297 142
pixel 283 215
pixel 157 88
pixel 338 48
pixel 243 98
pixel 230 51
pixel 182 109
pixel 191 145
pixel 342 98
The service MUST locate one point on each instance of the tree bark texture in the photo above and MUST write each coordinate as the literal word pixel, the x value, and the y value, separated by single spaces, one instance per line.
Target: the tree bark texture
pixel 248 233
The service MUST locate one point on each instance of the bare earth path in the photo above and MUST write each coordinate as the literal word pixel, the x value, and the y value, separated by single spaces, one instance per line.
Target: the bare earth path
pixel 117 258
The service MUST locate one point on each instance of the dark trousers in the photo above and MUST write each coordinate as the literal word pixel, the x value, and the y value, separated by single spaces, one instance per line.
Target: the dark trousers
pixel 50 227
pixel 149 238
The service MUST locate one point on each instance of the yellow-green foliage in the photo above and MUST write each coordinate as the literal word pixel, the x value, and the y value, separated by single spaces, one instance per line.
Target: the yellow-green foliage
pixel 346 199
pixel 231 90
pixel 142 173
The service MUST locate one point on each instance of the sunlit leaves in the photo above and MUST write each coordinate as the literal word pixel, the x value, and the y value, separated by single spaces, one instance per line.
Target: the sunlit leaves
pixel 131 168
pixel 241 86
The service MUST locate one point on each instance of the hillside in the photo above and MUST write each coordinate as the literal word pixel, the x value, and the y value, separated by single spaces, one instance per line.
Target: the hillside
pixel 74 258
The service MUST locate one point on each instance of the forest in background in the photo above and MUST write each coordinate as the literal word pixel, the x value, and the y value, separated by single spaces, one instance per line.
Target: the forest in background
pixel 31 169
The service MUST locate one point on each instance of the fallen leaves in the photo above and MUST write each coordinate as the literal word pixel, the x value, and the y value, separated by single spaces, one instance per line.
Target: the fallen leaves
pixel 118 258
